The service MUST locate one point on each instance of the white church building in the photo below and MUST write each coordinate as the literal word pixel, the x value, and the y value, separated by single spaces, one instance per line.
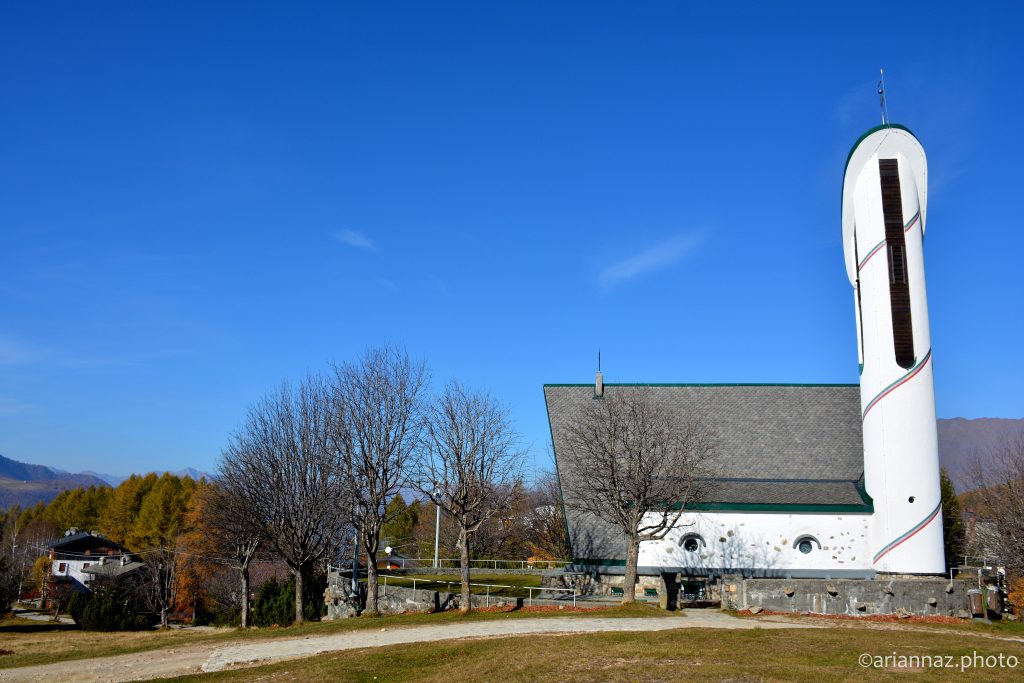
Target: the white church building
pixel 815 481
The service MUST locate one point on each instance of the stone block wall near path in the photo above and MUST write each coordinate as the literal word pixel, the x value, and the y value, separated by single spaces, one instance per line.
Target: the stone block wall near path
pixel 856 597
pixel 909 595
pixel 399 600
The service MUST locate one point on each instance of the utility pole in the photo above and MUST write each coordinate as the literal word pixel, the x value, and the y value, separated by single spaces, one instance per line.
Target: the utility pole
pixel 437 534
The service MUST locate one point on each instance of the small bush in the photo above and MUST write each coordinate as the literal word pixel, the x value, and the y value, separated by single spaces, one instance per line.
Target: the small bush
pixel 108 609
pixel 275 602
pixel 8 585
pixel 77 605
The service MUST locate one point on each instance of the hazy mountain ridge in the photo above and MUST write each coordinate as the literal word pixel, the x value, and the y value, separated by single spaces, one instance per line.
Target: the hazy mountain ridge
pixel 26 484
pixel 962 440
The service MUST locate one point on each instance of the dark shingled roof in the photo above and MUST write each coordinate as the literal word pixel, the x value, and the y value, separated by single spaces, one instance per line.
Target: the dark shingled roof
pixel 113 568
pixel 782 448
pixel 83 543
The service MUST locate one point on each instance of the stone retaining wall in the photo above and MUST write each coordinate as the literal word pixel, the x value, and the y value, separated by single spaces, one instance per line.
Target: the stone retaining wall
pixel 399 600
pixel 918 595
pixel 884 595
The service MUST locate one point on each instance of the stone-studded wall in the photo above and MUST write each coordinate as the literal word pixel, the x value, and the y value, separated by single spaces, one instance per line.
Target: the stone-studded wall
pixel 914 595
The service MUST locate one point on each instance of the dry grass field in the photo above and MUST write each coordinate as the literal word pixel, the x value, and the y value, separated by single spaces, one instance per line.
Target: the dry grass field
pixel 833 651
pixel 25 643
pixel 830 654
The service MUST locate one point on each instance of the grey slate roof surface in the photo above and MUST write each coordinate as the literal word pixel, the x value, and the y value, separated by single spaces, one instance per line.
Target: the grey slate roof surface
pixel 778 445
pixel 113 568
pixel 783 492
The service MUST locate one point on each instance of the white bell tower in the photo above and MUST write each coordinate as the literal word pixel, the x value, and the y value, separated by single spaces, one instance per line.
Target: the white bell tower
pixel 885 201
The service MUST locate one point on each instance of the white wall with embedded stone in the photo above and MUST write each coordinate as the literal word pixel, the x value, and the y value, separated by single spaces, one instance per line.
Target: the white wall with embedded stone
pixel 768 543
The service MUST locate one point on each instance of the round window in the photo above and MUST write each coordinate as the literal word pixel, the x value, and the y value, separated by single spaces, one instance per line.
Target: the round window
pixel 805 546
pixel 691 544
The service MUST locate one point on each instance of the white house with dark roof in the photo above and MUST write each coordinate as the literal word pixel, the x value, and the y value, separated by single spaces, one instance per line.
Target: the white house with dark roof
pixel 814 481
pixel 74 554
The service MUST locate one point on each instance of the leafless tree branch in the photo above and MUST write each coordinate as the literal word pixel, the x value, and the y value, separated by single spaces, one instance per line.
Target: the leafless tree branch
pixel 283 468
pixel 635 463
pixel 471 464
pixel 379 406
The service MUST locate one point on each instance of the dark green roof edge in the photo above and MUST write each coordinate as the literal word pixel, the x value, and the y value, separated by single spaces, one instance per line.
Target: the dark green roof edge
pixel 699 384
pixel 869 132
pixel 599 563
pixel 781 507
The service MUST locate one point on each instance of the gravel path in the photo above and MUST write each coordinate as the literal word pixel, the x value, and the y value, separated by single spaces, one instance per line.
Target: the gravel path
pixel 193 659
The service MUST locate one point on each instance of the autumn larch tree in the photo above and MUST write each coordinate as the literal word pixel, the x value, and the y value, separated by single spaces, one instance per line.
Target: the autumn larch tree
pixel 232 528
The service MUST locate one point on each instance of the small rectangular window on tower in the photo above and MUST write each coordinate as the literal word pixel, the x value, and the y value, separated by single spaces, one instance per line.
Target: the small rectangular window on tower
pixel 896 248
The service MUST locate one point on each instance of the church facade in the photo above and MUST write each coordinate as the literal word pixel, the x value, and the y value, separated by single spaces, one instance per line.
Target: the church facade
pixel 814 481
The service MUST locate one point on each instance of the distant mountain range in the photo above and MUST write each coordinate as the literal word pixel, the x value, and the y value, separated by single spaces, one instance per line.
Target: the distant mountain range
pixel 25 484
pixel 115 480
pixel 960 441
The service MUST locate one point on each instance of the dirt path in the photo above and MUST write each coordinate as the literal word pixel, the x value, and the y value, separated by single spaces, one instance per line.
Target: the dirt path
pixel 194 659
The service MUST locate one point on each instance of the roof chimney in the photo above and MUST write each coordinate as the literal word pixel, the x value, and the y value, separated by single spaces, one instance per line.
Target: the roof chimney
pixel 599 381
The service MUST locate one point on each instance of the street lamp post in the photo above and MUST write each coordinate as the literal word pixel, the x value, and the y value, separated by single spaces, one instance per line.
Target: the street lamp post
pixel 437 532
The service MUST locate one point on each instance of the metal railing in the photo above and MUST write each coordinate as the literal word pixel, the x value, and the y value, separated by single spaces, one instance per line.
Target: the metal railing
pixel 455 563
pixel 422 584
pixel 398 580
pixel 980 561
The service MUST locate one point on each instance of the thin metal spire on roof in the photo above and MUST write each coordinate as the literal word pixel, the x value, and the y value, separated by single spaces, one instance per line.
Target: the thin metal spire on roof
pixel 881 97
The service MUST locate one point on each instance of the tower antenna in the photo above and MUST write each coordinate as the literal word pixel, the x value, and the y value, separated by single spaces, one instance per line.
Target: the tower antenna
pixel 881 97
pixel 599 360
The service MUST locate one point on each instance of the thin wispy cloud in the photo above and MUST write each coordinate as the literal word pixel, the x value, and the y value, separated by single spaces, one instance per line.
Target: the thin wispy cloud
pixel 855 102
pixel 10 406
pixel 387 284
pixel 355 239
pixel 651 260
pixel 13 352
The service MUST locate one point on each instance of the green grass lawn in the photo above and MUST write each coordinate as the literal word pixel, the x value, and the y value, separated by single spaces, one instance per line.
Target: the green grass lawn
pixel 774 655
pixel 24 642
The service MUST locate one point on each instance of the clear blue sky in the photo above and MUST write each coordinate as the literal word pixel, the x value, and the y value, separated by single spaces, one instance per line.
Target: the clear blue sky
pixel 199 199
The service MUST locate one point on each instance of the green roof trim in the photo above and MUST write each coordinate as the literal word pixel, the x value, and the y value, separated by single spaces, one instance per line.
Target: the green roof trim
pixel 863 137
pixel 797 508
pixel 863 491
pixel 598 562
pixel 699 384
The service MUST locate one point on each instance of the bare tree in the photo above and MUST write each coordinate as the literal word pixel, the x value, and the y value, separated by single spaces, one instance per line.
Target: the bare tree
pixel 998 497
pixel 161 585
pixel 471 465
pixel 235 528
pixel 634 463
pixel 547 518
pixel 285 473
pixel 380 408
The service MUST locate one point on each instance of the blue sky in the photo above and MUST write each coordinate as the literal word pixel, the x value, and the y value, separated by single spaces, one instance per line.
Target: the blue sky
pixel 198 200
